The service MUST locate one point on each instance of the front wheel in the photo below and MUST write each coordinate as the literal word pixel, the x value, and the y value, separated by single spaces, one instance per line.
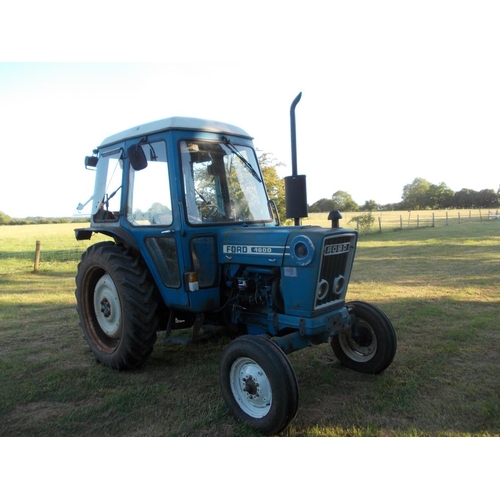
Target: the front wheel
pixel 370 345
pixel 259 384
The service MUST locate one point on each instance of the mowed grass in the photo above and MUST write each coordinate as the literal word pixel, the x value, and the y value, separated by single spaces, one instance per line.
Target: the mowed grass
pixel 440 287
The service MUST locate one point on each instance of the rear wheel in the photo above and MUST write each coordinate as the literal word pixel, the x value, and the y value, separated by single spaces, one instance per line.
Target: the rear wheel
pixel 370 347
pixel 116 306
pixel 259 384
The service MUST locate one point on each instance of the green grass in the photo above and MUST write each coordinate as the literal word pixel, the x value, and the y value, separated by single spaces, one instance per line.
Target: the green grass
pixel 440 287
pixel 57 245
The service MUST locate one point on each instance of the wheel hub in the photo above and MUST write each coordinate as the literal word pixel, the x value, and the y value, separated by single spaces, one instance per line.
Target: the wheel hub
pixel 361 344
pixel 363 337
pixel 251 387
pixel 106 308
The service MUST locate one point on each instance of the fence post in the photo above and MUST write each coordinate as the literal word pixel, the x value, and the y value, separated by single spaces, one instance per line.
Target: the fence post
pixel 380 225
pixel 433 220
pixel 37 256
pixel 418 221
pixel 480 216
pixel 446 218
pixel 459 217
pixel 401 222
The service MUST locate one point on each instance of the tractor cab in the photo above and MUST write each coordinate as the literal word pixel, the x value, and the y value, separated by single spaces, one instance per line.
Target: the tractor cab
pixel 220 176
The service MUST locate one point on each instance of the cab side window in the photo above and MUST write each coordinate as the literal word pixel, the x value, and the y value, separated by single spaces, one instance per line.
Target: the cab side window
pixel 149 200
pixel 107 191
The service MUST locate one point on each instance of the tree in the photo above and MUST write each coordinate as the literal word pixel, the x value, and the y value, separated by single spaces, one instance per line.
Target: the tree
pixel 275 185
pixel 416 194
pixel 344 202
pixel 421 194
pixel 465 198
pixel 487 198
pixel 440 196
pixel 4 218
pixel 323 205
pixel 369 206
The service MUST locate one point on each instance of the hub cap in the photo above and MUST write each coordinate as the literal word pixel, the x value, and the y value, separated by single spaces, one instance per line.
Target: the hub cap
pixel 251 388
pixel 361 347
pixel 107 307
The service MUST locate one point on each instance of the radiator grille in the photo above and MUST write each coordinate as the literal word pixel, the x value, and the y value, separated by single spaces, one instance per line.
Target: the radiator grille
pixel 336 262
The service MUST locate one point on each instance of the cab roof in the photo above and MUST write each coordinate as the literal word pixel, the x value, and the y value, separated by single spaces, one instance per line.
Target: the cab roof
pixel 177 123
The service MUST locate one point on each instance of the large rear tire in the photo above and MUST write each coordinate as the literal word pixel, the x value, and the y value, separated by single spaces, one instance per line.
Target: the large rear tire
pixel 259 384
pixel 371 346
pixel 116 306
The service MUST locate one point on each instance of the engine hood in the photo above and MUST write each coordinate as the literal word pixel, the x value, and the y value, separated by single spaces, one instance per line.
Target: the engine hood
pixel 254 246
pixel 266 246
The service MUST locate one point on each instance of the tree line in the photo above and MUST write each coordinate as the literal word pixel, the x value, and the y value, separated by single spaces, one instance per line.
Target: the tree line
pixel 6 220
pixel 418 195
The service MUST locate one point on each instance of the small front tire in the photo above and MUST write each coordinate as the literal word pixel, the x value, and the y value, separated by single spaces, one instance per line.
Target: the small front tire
pixel 259 384
pixel 370 347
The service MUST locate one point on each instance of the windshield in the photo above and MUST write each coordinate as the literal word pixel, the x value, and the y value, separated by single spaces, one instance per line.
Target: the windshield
pixel 222 183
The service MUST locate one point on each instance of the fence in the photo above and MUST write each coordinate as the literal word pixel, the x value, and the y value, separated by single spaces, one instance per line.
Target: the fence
pixel 380 221
pixel 21 260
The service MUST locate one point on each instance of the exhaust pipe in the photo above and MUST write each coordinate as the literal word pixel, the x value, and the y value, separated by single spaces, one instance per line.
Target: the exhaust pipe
pixel 295 185
pixel 294 133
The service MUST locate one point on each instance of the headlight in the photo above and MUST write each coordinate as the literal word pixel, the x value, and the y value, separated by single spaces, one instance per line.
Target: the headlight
pixel 323 288
pixel 302 250
pixel 339 284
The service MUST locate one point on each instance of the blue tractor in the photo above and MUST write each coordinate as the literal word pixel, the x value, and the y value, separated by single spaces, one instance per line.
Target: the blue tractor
pixel 196 243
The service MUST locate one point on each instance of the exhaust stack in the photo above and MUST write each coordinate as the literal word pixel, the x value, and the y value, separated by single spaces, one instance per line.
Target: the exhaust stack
pixel 295 185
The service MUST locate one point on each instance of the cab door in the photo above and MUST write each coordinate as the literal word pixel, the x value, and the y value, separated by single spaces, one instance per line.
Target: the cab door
pixel 153 218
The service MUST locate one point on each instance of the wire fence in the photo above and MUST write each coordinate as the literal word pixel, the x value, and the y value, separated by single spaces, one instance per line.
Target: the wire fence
pixel 418 220
pixel 379 222
pixel 23 260
pixel 50 255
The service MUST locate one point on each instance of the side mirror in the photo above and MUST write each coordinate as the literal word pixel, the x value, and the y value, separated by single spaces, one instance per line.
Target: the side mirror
pixel 90 161
pixel 137 157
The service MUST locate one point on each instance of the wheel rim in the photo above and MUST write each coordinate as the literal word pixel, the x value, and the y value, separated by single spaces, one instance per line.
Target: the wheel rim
pixel 251 387
pixel 362 347
pixel 107 307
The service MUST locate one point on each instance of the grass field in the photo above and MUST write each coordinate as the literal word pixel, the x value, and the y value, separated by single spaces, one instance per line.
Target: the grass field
pixel 440 286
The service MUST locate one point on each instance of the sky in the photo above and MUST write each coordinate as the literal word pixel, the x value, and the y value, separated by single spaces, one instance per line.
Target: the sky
pixel 391 90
